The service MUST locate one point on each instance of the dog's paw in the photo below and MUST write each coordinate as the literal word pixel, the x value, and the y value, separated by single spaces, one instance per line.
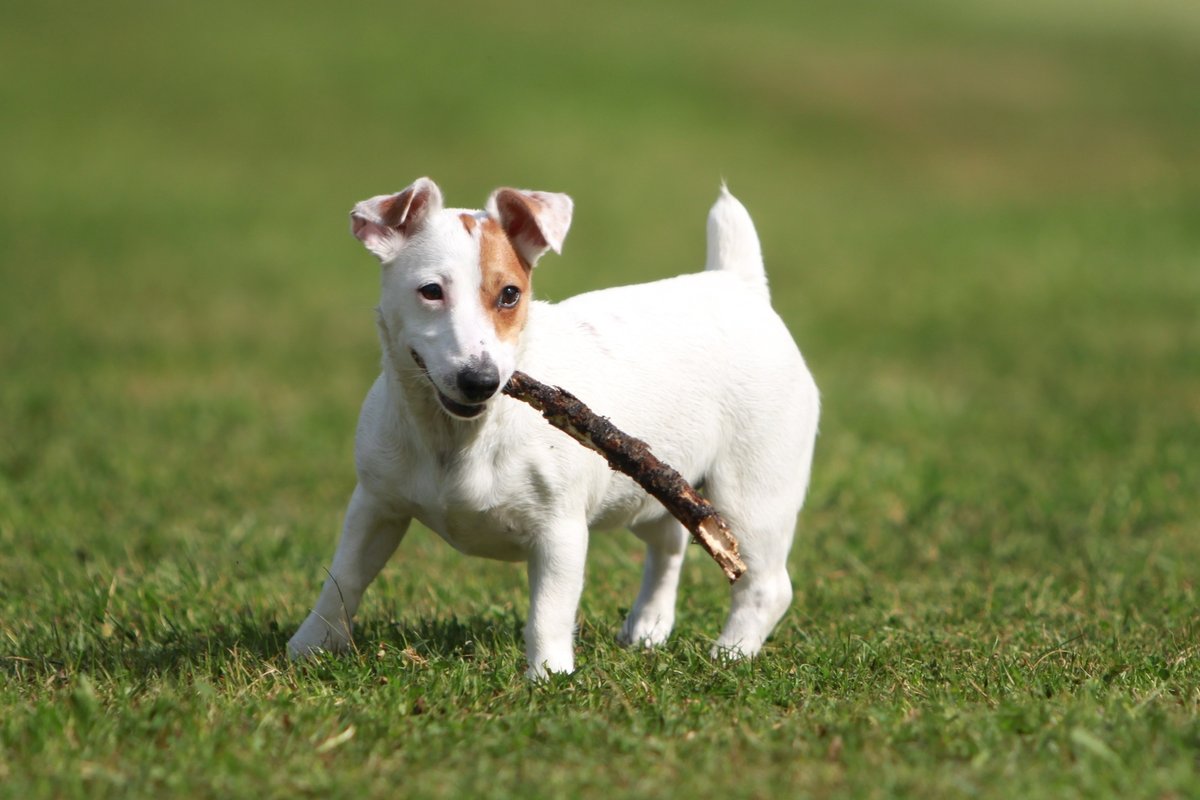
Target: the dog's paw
pixel 732 651
pixel 645 632
pixel 317 635
pixel 542 670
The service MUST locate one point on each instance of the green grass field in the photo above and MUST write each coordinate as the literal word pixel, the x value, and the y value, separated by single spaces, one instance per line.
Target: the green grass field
pixel 981 221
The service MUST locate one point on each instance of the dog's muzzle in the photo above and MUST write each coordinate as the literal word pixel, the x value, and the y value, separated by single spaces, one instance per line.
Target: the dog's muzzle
pixel 478 382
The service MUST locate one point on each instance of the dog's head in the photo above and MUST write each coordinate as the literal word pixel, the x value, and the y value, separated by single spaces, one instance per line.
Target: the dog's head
pixel 456 283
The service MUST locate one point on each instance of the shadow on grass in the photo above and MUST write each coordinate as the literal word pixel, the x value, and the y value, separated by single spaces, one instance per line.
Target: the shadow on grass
pixel 446 637
pixel 55 655
pixel 246 644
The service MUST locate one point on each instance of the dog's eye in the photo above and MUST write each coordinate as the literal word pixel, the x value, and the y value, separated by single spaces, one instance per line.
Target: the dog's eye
pixel 509 296
pixel 431 291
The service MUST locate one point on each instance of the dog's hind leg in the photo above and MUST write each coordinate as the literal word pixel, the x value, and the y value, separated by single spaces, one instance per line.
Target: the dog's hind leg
pixel 370 535
pixel 653 614
pixel 760 598
pixel 759 485
pixel 761 509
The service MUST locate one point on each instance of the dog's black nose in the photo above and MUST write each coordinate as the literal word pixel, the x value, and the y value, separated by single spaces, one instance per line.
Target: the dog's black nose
pixel 479 381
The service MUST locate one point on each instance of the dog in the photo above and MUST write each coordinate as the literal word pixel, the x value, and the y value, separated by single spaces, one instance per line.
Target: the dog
pixel 699 366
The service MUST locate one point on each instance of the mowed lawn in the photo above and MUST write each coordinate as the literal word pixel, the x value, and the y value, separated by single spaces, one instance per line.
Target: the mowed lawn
pixel 981 222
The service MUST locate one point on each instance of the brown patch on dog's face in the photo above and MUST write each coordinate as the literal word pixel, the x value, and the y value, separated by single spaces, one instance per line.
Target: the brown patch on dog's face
pixel 469 222
pixel 504 290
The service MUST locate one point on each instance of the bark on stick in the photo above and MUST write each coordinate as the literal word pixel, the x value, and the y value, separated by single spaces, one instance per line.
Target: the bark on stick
pixel 632 457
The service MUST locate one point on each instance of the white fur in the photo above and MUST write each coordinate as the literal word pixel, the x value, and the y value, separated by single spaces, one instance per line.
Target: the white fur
pixel 698 365
pixel 733 242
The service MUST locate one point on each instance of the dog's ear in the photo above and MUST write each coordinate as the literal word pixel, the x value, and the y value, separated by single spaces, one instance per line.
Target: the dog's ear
pixel 534 221
pixel 385 221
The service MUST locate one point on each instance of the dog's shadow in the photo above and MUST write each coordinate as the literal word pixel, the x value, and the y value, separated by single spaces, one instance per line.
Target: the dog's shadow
pixel 252 643
pixel 439 638
pixel 173 649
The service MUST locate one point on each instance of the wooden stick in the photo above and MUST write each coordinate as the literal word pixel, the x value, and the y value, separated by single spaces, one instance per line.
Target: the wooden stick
pixel 632 457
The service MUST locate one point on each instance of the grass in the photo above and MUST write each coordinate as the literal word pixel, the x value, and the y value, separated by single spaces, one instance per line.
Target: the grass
pixel 982 223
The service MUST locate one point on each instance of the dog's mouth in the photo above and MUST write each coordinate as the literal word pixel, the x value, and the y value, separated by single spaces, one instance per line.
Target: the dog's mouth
pixel 453 407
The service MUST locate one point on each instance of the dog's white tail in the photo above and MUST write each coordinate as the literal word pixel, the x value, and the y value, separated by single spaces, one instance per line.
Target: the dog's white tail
pixel 733 243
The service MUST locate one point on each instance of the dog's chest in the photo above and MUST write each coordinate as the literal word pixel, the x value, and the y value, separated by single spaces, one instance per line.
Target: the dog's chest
pixel 490 534
pixel 480 506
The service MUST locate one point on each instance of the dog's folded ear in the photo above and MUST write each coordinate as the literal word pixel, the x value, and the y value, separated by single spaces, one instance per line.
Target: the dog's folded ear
pixel 534 221
pixel 385 221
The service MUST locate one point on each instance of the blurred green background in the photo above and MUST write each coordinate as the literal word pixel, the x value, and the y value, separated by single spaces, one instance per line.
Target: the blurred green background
pixel 981 222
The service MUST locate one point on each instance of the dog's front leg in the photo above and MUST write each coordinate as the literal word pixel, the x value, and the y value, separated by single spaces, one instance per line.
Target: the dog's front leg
pixel 556 567
pixel 370 535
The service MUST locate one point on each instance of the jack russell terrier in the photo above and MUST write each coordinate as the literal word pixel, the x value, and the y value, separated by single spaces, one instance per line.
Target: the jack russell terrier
pixel 699 366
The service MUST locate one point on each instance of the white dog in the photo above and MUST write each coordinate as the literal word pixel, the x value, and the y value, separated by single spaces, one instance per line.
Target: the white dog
pixel 699 366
